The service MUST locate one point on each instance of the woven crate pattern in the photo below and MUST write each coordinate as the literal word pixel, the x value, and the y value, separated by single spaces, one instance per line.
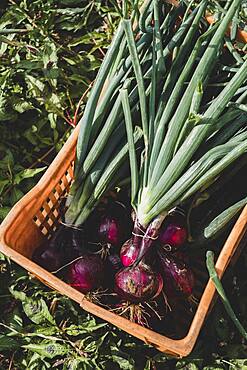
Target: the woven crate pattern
pixel 48 216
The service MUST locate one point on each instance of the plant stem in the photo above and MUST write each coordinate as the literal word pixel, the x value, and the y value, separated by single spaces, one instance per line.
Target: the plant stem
pixel 218 285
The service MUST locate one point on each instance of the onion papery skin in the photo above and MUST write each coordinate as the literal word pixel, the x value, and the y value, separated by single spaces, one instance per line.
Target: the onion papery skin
pixel 173 232
pixel 109 230
pixel 138 283
pixel 173 236
pixel 178 275
pixel 87 273
pixel 129 253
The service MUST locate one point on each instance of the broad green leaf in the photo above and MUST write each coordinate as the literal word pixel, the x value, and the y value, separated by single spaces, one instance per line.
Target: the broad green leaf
pixel 35 362
pixel 3 78
pixel 93 346
pixel 30 65
pixel 124 363
pixel 8 344
pixel 8 161
pixel 49 53
pixel 37 311
pixel 6 112
pixel 53 104
pixel 22 106
pixel 18 294
pixel 35 85
pixel 70 61
pixel 27 173
pixel 4 46
pixel 46 330
pixel 78 363
pixel 75 330
pixel 3 184
pixel 14 319
pixel 48 350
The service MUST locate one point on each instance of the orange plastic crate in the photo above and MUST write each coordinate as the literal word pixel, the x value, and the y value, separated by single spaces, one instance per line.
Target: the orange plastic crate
pixel 35 217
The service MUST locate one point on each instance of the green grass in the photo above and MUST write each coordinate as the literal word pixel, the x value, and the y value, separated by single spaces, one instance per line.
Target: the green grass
pixel 44 72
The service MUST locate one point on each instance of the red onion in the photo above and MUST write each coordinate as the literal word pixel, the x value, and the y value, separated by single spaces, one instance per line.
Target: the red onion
pixel 87 273
pixel 109 230
pixel 65 245
pixel 173 233
pixel 177 274
pixel 51 255
pixel 129 253
pixel 138 284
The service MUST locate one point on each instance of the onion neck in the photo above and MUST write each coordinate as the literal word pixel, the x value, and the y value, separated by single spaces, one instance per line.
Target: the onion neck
pixel 150 236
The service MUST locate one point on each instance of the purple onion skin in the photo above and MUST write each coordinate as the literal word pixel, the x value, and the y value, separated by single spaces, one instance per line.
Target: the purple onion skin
pixel 51 255
pixel 87 273
pixel 177 274
pixel 173 232
pixel 173 235
pixel 109 230
pixel 65 245
pixel 147 241
pixel 129 252
pixel 138 284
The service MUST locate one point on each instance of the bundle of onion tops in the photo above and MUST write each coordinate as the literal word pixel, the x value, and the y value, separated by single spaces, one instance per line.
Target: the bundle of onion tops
pixel 164 124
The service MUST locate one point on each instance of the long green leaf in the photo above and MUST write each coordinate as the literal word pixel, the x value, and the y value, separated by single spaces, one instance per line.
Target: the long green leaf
pixel 114 118
pixel 165 111
pixel 139 77
pixel 106 179
pixel 239 150
pixel 87 187
pixel 203 69
pixel 218 285
pixel 132 152
pixel 223 219
pixel 198 134
pixel 158 39
pixel 87 120
pixel 196 177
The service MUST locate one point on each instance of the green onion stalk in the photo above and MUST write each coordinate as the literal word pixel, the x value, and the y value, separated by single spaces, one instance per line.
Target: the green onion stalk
pixel 177 124
pixel 102 144
pixel 220 290
pixel 102 133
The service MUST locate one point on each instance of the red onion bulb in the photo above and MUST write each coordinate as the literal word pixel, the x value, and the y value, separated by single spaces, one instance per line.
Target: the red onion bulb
pixel 109 230
pixel 179 274
pixel 87 273
pixel 173 234
pixel 128 253
pixel 138 284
